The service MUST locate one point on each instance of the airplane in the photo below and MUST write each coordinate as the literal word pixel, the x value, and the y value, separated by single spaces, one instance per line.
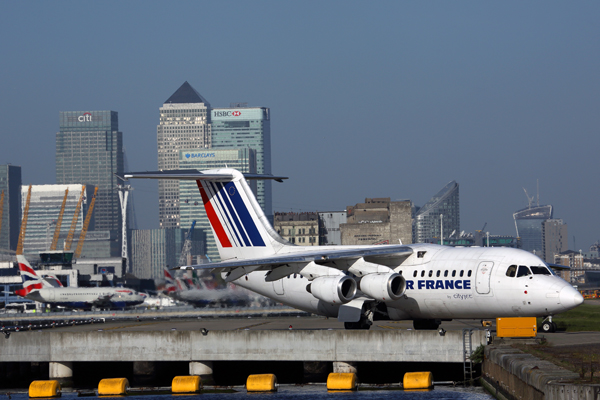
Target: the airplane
pixel 38 289
pixel 199 295
pixel 425 283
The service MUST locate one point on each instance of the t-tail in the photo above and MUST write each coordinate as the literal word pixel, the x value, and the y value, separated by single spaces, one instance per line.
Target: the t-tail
pixel 31 281
pixel 240 227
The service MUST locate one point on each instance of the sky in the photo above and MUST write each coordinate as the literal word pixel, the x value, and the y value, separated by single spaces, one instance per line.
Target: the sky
pixel 368 99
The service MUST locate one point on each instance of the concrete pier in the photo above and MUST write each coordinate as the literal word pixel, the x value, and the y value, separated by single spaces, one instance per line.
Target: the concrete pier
pixel 62 372
pixel 307 345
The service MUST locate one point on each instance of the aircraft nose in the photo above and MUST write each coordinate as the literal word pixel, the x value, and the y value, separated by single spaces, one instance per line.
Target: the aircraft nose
pixel 570 298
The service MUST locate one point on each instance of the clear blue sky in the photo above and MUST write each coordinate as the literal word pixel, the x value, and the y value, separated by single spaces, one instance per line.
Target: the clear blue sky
pixel 368 99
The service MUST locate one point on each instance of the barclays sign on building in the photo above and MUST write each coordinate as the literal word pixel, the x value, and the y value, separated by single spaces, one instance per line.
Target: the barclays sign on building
pixel 200 155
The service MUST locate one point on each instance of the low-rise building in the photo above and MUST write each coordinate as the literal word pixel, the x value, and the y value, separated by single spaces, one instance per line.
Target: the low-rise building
pixel 378 221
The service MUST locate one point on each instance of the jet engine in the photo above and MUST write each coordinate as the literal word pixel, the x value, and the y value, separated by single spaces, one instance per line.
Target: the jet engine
pixel 383 287
pixel 333 289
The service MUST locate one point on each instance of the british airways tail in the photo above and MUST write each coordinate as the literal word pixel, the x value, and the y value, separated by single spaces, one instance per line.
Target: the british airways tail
pixel 31 281
pixel 239 225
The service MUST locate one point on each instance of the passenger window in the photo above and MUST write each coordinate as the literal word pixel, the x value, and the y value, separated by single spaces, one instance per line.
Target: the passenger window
pixel 540 271
pixel 523 271
pixel 469 273
pixel 430 273
pixel 438 274
pixel 462 273
pixel 422 273
pixel 415 274
pixel 511 271
pixel 453 273
pixel 445 273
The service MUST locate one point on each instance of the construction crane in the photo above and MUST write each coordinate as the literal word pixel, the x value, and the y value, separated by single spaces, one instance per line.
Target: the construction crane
pixel 24 223
pixel 86 223
pixel 69 240
pixel 187 246
pixel 59 222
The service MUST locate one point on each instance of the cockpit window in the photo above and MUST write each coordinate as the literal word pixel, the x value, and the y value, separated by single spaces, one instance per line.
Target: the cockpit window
pixel 511 271
pixel 523 271
pixel 540 271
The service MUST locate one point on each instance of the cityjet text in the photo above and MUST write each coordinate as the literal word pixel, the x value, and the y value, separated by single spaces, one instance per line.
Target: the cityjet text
pixel 439 284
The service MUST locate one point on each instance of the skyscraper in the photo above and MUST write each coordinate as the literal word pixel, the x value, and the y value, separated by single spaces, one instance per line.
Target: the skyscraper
pixel 184 124
pixel 249 127
pixel 89 151
pixel 528 222
pixel 428 223
pixel 555 239
pixel 10 184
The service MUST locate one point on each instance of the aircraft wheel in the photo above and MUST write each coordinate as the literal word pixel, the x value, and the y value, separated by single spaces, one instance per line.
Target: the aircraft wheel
pixel 548 327
pixel 426 324
pixel 362 324
pixel 554 327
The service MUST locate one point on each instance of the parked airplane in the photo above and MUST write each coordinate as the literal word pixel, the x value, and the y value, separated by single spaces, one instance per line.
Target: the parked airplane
pixel 38 289
pixel 196 293
pixel 359 284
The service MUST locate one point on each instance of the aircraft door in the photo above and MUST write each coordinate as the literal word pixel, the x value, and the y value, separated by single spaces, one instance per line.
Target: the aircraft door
pixel 278 286
pixel 482 278
pixel 51 293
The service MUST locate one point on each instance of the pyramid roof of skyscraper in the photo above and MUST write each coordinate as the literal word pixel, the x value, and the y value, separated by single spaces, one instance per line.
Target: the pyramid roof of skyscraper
pixel 187 94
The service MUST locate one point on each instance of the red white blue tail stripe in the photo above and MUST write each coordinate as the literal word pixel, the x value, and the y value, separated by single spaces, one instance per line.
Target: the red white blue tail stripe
pixel 30 279
pixel 229 215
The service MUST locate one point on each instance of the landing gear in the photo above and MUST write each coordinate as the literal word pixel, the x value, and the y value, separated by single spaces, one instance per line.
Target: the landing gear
pixel 548 326
pixel 426 324
pixel 366 319
pixel 364 323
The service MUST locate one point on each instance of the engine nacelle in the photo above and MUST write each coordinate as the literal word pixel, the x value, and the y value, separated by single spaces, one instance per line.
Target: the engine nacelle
pixel 383 287
pixel 333 289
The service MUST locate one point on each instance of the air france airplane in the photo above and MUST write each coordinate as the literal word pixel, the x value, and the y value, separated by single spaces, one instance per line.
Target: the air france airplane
pixel 37 289
pixel 359 284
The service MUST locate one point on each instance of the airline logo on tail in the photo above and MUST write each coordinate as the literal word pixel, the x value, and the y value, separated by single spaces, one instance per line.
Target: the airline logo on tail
pixel 170 282
pixel 30 279
pixel 229 215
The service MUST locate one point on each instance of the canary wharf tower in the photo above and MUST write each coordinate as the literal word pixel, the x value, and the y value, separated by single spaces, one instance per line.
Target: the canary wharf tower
pixel 89 151
pixel 184 124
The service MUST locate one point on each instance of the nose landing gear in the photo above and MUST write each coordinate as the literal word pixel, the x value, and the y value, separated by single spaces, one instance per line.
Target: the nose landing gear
pixel 547 325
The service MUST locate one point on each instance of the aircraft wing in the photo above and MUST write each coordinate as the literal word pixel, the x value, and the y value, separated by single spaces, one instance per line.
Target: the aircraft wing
pixel 321 255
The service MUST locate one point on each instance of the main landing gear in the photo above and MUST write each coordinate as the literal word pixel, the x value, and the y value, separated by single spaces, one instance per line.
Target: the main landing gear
pixel 426 324
pixel 547 325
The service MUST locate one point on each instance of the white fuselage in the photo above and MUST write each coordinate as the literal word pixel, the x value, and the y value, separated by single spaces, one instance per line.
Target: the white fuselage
pixel 87 297
pixel 445 283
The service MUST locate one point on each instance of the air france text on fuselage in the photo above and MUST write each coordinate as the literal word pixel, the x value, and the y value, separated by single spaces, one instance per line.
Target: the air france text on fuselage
pixel 439 284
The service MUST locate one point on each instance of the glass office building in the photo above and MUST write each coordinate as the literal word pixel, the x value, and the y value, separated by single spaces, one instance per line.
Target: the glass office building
pixel 10 224
pixel 192 208
pixel 428 221
pixel 528 223
pixel 184 124
pixel 89 151
pixel 247 127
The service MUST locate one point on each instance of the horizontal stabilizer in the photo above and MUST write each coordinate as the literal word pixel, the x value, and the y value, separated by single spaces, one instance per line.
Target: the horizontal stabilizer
pixel 194 175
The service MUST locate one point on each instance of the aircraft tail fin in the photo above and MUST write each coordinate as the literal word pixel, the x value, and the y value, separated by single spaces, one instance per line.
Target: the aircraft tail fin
pixel 170 282
pixel 239 225
pixel 31 281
